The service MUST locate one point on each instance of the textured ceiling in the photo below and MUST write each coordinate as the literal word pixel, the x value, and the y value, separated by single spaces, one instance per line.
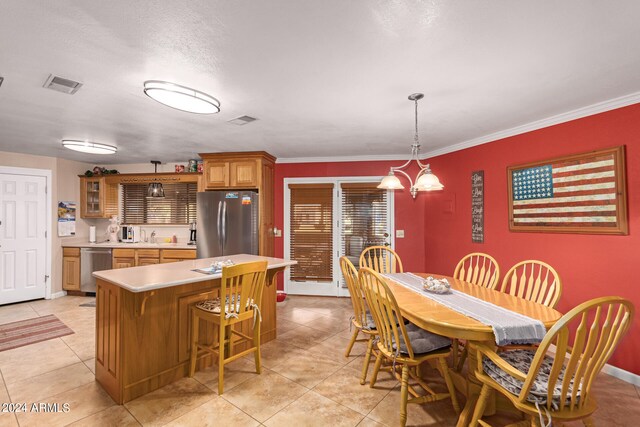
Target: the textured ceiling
pixel 324 78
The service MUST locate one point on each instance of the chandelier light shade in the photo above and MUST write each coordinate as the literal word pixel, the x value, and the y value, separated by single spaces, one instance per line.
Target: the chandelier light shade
pixel 181 97
pixel 155 189
pixel 89 147
pixel 425 180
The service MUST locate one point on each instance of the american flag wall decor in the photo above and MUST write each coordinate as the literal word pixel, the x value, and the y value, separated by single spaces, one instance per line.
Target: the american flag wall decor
pixel 582 193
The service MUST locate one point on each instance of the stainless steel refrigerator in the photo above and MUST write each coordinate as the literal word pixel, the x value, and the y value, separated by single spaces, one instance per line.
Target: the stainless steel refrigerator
pixel 227 223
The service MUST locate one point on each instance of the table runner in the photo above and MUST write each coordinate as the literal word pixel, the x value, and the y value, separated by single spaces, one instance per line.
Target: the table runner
pixel 508 327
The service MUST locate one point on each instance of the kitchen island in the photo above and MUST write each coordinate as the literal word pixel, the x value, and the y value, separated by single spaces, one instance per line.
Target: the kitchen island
pixel 143 322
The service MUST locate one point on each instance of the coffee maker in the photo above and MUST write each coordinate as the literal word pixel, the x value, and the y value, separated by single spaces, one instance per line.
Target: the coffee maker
pixel 192 233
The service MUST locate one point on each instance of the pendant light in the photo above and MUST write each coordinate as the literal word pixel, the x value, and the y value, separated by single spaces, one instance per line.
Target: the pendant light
pixel 155 189
pixel 425 180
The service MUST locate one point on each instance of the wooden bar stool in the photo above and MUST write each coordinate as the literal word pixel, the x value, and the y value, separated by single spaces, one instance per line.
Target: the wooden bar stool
pixel 240 297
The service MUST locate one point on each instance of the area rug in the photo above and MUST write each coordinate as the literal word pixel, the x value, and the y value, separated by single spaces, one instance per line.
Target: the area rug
pixel 31 331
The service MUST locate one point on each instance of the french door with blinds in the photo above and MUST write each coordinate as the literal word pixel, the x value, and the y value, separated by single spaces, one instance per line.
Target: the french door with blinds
pixel 326 219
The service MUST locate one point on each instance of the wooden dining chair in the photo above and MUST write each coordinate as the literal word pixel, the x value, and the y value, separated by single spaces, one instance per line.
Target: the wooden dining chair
pixel 381 259
pixel 554 381
pixel 535 281
pixel 405 346
pixel 241 290
pixel 361 321
pixel 478 268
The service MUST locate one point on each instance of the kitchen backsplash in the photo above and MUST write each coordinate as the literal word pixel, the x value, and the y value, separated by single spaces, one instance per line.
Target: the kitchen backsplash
pixel 163 232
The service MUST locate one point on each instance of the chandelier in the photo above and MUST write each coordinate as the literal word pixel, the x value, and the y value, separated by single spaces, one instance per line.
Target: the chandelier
pixel 425 180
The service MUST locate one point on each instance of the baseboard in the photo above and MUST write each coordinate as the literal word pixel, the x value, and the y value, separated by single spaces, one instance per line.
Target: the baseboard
pixel 58 294
pixel 621 374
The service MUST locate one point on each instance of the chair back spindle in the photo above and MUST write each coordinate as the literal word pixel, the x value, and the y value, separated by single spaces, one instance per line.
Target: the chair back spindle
pixel 534 281
pixel 478 268
pixel 241 288
pixel 381 259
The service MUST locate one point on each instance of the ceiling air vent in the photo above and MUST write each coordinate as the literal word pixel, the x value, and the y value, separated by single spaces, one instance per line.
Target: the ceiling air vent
pixel 62 85
pixel 242 120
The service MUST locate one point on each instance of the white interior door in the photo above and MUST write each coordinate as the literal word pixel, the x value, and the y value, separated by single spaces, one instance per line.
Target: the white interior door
pixel 353 221
pixel 22 237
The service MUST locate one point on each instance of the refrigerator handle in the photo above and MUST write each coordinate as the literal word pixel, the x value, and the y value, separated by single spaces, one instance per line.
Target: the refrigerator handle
pixel 219 225
pixel 224 223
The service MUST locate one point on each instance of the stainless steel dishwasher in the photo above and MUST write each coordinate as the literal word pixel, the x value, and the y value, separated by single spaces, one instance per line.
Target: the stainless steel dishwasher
pixel 92 259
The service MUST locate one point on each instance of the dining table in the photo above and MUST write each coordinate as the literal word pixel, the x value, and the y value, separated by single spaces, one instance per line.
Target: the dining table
pixel 440 319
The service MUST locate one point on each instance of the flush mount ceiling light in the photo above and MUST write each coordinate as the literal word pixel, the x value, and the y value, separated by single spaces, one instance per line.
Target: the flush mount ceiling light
pixel 89 147
pixel 155 189
pixel 425 180
pixel 181 97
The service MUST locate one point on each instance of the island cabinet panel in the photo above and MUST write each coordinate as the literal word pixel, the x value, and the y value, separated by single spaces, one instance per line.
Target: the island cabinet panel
pixel 108 338
pixel 143 338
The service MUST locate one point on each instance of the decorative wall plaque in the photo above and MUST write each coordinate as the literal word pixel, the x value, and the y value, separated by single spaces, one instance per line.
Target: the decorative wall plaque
pixel 477 207
pixel 581 193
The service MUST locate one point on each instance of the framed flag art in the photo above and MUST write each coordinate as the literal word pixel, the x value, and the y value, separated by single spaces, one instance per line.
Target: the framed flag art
pixel 582 193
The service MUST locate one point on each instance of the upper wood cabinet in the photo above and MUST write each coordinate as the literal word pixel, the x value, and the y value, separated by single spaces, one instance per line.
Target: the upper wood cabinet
pixel 234 170
pixel 99 194
pixel 244 173
pixel 98 197
pixel 251 170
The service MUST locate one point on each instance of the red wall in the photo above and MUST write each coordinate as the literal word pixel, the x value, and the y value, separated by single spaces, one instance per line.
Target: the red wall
pixel 409 213
pixel 590 265
pixel 437 236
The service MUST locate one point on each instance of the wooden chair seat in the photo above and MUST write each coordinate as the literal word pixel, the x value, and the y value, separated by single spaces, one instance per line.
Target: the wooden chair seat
pixel 522 360
pixel 241 288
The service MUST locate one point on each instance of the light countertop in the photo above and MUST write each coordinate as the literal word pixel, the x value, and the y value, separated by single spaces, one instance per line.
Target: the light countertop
pixel 158 276
pixel 139 245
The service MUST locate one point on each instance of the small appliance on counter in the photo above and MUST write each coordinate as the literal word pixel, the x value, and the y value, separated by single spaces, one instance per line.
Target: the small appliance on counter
pixel 192 233
pixel 131 234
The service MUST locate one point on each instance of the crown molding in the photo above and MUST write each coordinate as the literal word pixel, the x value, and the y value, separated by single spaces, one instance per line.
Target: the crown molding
pixel 326 159
pixel 579 113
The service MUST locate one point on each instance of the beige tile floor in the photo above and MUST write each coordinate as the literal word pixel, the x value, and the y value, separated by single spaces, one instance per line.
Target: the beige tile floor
pixel 306 380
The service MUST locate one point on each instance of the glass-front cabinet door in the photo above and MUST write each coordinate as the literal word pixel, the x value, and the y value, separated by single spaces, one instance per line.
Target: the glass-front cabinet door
pixel 92 197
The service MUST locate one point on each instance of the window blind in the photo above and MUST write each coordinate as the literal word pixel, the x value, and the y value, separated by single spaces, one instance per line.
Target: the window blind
pixel 177 207
pixel 311 235
pixel 364 218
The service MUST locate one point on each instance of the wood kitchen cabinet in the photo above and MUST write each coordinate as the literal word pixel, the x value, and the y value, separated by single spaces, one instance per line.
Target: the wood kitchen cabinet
pixel 125 257
pixel 71 269
pixel 234 170
pixel 147 256
pixel 98 197
pixel 175 255
pixel 251 170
